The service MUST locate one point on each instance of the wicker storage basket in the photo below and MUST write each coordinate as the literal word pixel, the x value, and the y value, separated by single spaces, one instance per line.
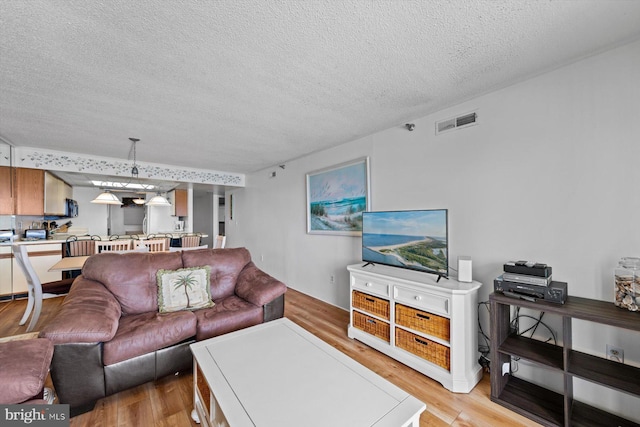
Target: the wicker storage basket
pixel 432 351
pixel 422 321
pixel 370 304
pixel 372 326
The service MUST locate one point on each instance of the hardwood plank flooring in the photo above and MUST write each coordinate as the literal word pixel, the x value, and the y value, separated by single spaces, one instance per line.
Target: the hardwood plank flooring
pixel 168 401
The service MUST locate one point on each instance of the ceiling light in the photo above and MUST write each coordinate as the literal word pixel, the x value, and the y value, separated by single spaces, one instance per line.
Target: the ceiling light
pixel 107 198
pixel 139 201
pixel 158 200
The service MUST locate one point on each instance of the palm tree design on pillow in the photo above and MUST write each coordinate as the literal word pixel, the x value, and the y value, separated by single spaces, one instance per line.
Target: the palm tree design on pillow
pixel 187 281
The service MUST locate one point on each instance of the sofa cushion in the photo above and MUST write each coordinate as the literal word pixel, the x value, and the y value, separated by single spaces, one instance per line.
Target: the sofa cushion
pixel 89 314
pixel 228 315
pixel 131 277
pixel 140 334
pixel 226 265
pixel 184 289
pixel 25 365
pixel 257 287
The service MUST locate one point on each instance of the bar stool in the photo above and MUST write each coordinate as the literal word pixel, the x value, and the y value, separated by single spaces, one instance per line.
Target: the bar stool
pixel 36 290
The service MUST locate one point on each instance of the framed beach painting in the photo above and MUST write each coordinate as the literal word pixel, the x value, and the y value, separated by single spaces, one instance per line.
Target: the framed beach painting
pixel 336 198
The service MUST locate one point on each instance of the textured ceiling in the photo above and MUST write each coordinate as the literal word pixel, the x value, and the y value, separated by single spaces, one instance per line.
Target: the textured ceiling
pixel 242 85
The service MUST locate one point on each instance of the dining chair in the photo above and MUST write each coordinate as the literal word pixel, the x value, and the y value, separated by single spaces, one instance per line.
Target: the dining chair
pixel 166 236
pixel 190 240
pixel 36 290
pixel 220 242
pixel 112 245
pixel 80 246
pixel 154 245
pixel 193 248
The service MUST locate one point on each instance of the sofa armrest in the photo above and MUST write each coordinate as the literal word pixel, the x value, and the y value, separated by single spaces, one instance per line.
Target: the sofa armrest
pixel 89 314
pixel 257 287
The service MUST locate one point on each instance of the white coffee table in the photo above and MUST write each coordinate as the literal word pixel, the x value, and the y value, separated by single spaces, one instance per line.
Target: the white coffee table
pixel 279 375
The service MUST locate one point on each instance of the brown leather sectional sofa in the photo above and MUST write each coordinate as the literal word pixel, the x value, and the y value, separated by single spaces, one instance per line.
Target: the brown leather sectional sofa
pixel 110 336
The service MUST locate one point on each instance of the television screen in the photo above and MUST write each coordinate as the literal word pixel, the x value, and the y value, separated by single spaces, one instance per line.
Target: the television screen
pixel 408 239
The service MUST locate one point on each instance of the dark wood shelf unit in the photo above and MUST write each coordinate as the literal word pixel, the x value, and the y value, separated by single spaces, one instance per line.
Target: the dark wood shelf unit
pixel 605 372
pixel 535 351
pixel 538 403
pixel 584 415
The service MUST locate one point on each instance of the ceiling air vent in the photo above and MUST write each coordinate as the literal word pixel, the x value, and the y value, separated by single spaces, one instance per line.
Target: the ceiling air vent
pixel 456 122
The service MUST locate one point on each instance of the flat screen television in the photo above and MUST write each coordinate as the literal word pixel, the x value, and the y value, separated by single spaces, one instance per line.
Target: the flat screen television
pixel 417 240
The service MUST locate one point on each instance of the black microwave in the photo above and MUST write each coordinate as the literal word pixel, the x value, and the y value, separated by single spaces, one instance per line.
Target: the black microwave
pixel 71 210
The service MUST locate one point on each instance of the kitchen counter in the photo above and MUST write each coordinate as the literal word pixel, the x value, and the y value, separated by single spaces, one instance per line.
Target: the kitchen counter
pixel 61 238
pixel 32 242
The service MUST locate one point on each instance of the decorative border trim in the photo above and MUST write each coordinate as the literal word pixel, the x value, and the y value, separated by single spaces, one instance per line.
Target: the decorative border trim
pixel 71 162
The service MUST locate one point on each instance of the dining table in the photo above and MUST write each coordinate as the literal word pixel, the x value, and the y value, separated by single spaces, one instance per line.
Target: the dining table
pixel 69 263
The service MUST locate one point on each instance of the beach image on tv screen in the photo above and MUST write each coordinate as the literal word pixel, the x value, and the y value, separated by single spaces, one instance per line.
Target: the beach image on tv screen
pixel 409 239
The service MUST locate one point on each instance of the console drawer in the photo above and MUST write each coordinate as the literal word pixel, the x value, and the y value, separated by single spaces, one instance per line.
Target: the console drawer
pixel 372 326
pixel 370 304
pixel 429 350
pixel 422 321
pixel 370 286
pixel 430 302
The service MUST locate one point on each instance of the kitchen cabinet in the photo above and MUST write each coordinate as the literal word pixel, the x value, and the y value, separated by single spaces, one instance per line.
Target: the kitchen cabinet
pixel 29 191
pixel 56 193
pixel 6 191
pixel 5 271
pixel 179 204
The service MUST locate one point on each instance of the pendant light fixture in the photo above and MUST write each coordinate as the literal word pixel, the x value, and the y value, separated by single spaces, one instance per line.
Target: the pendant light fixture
pixel 107 198
pixel 158 200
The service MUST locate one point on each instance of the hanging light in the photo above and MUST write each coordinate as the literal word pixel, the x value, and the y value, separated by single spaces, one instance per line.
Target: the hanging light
pixel 134 182
pixel 139 200
pixel 107 198
pixel 158 200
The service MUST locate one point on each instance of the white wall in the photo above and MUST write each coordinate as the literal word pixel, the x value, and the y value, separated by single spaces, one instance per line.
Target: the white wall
pixel 550 174
pixel 203 216
pixel 90 215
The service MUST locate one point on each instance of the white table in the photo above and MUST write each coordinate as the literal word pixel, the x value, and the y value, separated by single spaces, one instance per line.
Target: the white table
pixel 279 375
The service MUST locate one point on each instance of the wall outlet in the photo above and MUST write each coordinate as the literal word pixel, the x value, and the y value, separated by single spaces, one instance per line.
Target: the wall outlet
pixel 615 353
pixel 332 279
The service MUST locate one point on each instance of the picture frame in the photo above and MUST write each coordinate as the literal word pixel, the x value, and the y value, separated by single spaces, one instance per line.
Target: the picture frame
pixel 336 198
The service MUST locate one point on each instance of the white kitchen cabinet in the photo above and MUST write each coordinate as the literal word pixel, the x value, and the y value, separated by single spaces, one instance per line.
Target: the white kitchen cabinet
pixel 5 270
pixel 42 257
pixel 428 325
pixel 56 193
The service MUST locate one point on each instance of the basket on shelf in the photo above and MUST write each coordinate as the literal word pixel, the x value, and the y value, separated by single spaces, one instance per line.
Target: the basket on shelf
pixel 422 321
pixel 376 306
pixel 372 326
pixel 422 347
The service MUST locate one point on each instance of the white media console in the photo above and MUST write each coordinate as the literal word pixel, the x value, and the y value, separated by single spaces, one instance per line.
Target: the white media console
pixel 429 325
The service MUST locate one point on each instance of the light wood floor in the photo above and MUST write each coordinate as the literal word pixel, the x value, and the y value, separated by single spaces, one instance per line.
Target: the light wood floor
pixel 168 402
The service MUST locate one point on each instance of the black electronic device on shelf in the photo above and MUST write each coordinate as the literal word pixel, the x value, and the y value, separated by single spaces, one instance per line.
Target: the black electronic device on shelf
pixel 528 268
pixel 530 281
pixel 554 292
